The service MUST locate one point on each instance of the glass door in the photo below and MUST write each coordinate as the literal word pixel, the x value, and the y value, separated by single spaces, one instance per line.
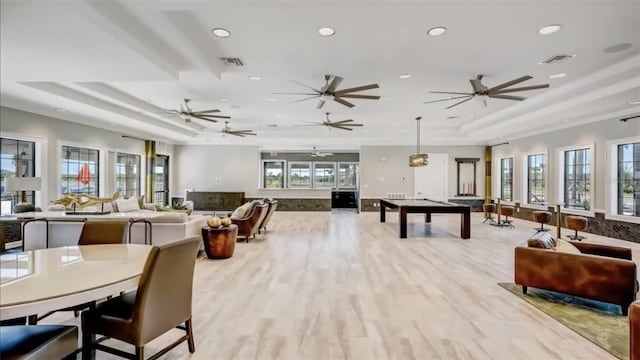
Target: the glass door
pixel 162 180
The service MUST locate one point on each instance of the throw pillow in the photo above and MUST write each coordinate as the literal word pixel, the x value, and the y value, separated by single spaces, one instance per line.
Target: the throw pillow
pixel 542 240
pixel 566 247
pixel 241 211
pixel 127 205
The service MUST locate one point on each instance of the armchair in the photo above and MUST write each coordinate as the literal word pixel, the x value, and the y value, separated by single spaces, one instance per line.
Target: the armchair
pixel 601 272
pixel 249 224
pixel 273 204
pixel 634 330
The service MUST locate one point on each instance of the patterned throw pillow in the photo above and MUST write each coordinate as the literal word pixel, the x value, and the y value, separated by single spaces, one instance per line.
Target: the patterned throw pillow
pixel 242 211
pixel 542 240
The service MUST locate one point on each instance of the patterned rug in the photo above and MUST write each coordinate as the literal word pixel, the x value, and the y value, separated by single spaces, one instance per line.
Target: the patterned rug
pixel 598 322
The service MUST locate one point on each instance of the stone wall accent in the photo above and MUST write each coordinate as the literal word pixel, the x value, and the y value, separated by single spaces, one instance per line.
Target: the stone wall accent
pixel 287 204
pixel 215 200
pixel 369 204
pixel 597 225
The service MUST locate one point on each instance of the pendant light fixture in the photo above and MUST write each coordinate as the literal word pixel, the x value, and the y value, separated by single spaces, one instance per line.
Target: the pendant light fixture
pixel 418 159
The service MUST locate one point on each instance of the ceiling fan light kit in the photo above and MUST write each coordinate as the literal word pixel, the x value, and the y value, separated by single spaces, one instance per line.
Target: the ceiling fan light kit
pixel 418 159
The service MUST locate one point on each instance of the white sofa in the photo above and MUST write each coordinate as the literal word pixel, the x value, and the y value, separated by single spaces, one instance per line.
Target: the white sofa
pixel 165 227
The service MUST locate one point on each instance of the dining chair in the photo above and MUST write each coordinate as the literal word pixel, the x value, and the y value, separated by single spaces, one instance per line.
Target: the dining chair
pixel 96 233
pixel 161 302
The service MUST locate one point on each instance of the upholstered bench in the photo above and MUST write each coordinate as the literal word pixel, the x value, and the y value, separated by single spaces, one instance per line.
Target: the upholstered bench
pixel 37 341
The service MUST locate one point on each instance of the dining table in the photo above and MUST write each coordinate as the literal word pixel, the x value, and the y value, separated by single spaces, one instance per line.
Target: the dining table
pixel 44 280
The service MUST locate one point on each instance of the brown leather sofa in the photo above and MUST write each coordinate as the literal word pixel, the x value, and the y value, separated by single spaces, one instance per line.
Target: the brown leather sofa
pixel 600 272
pixel 249 224
pixel 634 330
pixel 273 204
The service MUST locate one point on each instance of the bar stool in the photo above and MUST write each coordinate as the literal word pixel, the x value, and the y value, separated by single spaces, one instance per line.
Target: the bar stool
pixel 542 217
pixel 506 211
pixel 576 223
pixel 489 209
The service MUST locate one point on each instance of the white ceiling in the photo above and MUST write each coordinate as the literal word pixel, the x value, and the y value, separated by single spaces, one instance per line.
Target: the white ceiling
pixel 115 64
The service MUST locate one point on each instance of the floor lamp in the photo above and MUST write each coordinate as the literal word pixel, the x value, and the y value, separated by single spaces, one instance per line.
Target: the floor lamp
pixel 23 184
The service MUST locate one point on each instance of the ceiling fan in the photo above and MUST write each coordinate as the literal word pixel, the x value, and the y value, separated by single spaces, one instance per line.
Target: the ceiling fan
pixel 496 92
pixel 329 92
pixel 227 130
pixel 316 153
pixel 342 124
pixel 185 113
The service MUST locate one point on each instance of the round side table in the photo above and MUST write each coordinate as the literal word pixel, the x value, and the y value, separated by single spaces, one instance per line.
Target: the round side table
pixel 220 242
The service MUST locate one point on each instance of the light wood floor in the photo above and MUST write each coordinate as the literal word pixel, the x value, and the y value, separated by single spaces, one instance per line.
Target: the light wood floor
pixel 343 285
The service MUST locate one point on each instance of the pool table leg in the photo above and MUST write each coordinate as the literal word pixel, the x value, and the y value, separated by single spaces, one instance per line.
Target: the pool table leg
pixel 427 217
pixel 383 214
pixel 403 222
pixel 465 225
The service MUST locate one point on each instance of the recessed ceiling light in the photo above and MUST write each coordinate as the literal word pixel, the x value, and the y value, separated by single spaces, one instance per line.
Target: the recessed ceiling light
pixel 270 99
pixel 225 100
pixel 60 110
pixel 326 31
pixel 549 29
pixel 221 33
pixel 437 31
pixel 636 102
pixel 557 76
pixel 404 76
pixel 255 78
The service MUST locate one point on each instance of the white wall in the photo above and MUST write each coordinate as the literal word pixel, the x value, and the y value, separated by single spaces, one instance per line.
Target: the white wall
pixel 385 169
pixel 52 133
pixel 595 133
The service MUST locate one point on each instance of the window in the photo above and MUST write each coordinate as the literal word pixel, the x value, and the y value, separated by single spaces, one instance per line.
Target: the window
pixel 347 175
pixel 324 175
pixel 128 174
pixel 628 182
pixel 506 179
pixel 273 174
pixel 80 170
pixel 299 174
pixel 17 158
pixel 536 179
pixel 577 179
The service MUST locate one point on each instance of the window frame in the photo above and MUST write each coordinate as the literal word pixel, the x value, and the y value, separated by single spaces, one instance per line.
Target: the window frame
pixel 139 179
pixel 499 183
pixel 560 156
pixel 611 181
pixel 525 179
pixel 334 164
pixel 285 172
pixel 338 186
pixel 289 165
pixel 102 166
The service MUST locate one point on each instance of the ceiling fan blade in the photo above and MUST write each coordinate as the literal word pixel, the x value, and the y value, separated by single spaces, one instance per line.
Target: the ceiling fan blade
pixel 344 125
pixel 506 97
pixel 447 99
pixel 460 102
pixel 509 83
pixel 450 92
pixel 204 118
pixel 333 85
pixel 342 128
pixel 233 133
pixel 307 98
pixel 477 86
pixel 211 116
pixel 524 88
pixel 320 104
pixel 289 93
pixel 341 121
pixel 358 88
pixel 354 96
pixel 343 102
pixel 241 132
pixel 206 111
pixel 307 86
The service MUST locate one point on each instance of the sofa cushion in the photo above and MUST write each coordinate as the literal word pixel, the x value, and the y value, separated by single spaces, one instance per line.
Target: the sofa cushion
pixel 566 247
pixel 170 217
pixel 242 211
pixel 127 205
pixel 542 240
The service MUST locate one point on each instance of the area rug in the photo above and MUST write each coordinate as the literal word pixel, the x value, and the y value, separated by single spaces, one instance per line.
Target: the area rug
pixel 598 322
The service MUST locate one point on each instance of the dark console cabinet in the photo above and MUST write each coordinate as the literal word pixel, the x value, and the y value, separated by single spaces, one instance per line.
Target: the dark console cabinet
pixel 344 199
